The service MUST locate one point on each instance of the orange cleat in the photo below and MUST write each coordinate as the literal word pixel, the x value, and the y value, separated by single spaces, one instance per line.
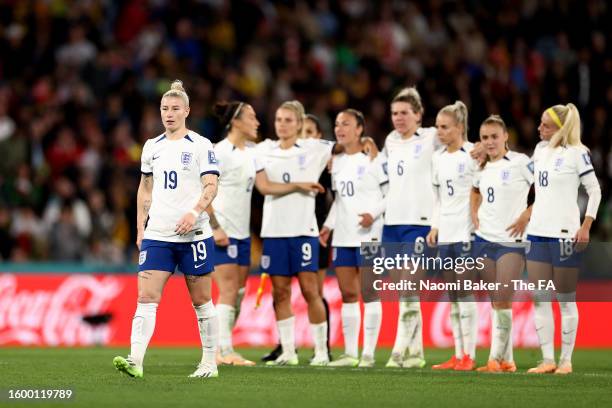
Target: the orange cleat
pixel 508 366
pixel 466 364
pixel 543 368
pixel 493 366
pixel 564 368
pixel 447 365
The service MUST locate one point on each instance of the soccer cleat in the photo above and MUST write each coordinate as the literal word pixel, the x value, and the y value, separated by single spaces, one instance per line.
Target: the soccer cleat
pixel 345 361
pixel 493 366
pixel 447 365
pixel 290 359
pixel 320 361
pixel 414 362
pixel 274 354
pixel 543 368
pixel 235 359
pixel 564 368
pixel 366 361
pixel 127 366
pixel 508 366
pixel 466 364
pixel 205 370
pixel 395 361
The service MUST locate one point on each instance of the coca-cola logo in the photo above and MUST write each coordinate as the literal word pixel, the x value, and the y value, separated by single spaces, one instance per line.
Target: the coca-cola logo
pixel 55 316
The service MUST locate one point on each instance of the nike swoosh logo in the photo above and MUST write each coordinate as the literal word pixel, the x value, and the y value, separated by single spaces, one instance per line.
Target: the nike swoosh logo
pixel 568 332
pixel 156 157
pixel 305 264
pixel 199 266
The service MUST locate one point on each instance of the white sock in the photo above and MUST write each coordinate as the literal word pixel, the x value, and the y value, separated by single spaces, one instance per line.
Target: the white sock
pixel 351 320
pixel 208 324
pixel 372 319
pixel 286 332
pixel 227 316
pixel 319 335
pixel 143 325
pixel 456 327
pixel 545 325
pixel 501 333
pixel 238 304
pixel 569 325
pixel 468 314
pixel 406 323
pixel 415 327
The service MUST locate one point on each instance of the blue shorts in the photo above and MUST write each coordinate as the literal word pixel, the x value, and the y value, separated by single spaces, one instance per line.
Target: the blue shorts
pixel 191 258
pixel 558 252
pixel 346 256
pixel 237 252
pixel 412 238
pixel 288 256
pixel 493 250
pixel 455 250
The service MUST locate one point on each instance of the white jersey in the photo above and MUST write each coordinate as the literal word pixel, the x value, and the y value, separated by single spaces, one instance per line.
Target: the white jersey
pixel 558 173
pixel 504 186
pixel 357 181
pixel 410 196
pixel 177 167
pixel 292 215
pixel 232 204
pixel 452 175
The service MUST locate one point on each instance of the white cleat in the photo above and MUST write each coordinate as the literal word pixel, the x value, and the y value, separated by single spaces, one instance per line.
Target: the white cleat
pixel 205 370
pixel 366 361
pixel 414 362
pixel 345 361
pixel 395 361
pixel 290 359
pixel 320 361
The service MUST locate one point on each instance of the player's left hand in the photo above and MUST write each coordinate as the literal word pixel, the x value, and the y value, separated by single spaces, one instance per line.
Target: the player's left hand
pixel 582 238
pixel 366 220
pixel 479 152
pixel 517 229
pixel 185 224
pixel 369 147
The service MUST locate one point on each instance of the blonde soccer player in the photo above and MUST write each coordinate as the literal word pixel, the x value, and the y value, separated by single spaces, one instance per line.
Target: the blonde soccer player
pixel 230 215
pixel 452 176
pixel 561 163
pixel 499 214
pixel 178 183
pixel 355 218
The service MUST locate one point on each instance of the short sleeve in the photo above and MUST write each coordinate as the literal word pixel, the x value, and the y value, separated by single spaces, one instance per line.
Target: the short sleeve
pixel 208 160
pixel 434 170
pixel 476 179
pixel 584 164
pixel 146 166
pixel 526 168
pixel 380 170
pixel 258 164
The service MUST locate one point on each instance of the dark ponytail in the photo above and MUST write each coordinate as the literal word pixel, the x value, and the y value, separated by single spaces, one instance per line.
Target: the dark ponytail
pixel 226 112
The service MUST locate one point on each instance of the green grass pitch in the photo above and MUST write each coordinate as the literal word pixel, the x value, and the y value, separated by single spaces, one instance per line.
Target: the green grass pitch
pixel 90 373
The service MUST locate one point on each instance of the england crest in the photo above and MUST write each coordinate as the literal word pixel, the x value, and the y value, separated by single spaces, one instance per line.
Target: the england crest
pixel 505 176
pixel 302 161
pixel 232 251
pixel 211 157
pixel 142 257
pixel 186 158
pixel 361 171
pixel 418 148
pixel 265 261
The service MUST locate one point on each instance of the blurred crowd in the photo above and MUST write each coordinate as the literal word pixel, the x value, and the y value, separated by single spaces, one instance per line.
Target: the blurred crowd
pixel 80 83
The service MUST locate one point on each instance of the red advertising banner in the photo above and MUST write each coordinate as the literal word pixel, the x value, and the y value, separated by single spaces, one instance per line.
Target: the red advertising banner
pixel 48 310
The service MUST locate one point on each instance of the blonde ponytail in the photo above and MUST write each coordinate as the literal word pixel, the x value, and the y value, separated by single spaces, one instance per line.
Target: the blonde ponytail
pixel 569 132
pixel 459 112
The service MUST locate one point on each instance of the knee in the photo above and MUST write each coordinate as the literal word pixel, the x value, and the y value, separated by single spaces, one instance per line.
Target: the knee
pixel 148 296
pixel 281 294
pixel 311 294
pixel 200 299
pixel 349 296
pixel 501 305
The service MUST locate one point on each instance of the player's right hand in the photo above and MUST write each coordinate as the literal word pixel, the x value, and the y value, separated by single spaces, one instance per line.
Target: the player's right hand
pixel 324 236
pixel 310 188
pixel 221 238
pixel 432 237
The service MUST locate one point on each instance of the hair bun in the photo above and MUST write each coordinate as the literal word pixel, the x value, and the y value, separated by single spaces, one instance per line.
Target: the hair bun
pixel 177 85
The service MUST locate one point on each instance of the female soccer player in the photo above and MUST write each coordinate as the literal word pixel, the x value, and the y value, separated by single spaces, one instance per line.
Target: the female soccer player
pixel 289 229
pixel 409 149
pixel 355 217
pixel 230 215
pixel 179 181
pixel 452 174
pixel 498 205
pixel 560 163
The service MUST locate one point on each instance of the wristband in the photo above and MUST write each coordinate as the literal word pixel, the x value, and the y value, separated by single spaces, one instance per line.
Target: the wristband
pixel 194 212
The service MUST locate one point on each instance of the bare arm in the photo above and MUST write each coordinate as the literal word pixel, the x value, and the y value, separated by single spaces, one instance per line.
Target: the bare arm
pixel 143 203
pixel 475 201
pixel 219 235
pixel 267 187
pixel 209 191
